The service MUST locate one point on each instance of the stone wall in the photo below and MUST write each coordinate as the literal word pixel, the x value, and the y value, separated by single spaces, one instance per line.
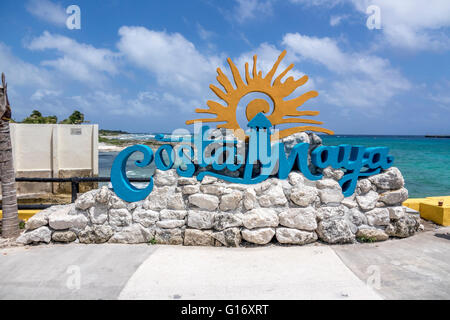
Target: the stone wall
pixel 184 211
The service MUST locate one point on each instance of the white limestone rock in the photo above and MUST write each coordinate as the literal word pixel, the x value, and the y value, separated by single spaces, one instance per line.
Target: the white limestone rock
pixel 368 201
pixel 98 214
pixel 200 219
pixel 363 186
pixel 41 218
pixel 258 236
pixel 120 218
pixel 165 178
pixel 250 200
pixel 378 217
pixel 394 198
pixel 299 218
pixel 86 200
pixel 296 178
pixel 371 234
pixel 183 181
pixel 325 213
pixel 303 195
pixel 330 191
pixel 396 213
pixel 273 196
pixel 170 224
pixel 194 237
pixel 95 234
pixel 191 189
pixel 229 237
pixel 259 218
pixel 115 202
pixel 294 236
pixel 204 201
pixel 391 179
pixel 64 236
pixel 41 234
pixel 157 199
pixel 173 214
pixel 213 189
pixel 404 227
pixel 350 202
pixel 357 217
pixel 175 202
pixel 230 201
pixel 63 219
pixel 208 180
pixel 146 218
pixel 169 236
pixel 335 231
pixel 335 174
pixel 224 220
pixel 102 195
pixel 132 234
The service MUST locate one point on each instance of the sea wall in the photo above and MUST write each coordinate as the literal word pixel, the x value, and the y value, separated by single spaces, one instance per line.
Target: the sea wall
pixel 184 211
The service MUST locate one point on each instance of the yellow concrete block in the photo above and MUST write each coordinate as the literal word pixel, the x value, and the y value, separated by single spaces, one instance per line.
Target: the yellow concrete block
pixel 445 199
pixel 414 203
pixel 24 214
pixel 435 213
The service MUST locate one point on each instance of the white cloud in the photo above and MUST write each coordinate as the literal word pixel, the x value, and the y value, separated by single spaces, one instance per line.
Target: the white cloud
pixel 267 54
pixel 413 24
pixel 48 11
pixel 336 20
pixel 247 10
pixel 174 60
pixel 21 73
pixel 79 61
pixel 203 33
pixel 407 24
pixel 41 94
pixel 360 80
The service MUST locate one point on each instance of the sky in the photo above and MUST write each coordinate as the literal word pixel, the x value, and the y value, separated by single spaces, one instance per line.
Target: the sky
pixel 145 66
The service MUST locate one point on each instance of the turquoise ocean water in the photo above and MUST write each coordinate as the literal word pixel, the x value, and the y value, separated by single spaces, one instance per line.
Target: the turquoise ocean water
pixel 424 162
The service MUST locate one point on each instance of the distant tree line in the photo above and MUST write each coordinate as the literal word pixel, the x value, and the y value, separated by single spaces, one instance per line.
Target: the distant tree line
pixel 36 117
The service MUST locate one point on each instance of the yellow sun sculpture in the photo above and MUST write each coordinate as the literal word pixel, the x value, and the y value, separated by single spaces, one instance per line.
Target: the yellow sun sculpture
pixel 276 91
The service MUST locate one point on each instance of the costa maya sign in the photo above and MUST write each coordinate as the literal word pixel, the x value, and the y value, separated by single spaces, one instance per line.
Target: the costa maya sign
pixel 254 153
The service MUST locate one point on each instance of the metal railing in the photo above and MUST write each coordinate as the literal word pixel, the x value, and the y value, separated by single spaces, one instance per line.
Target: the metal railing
pixel 75 187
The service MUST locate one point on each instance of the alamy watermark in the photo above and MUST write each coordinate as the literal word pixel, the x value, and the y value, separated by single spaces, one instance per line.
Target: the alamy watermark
pixel 73 282
pixel 73 21
pixel 374 279
pixel 374 19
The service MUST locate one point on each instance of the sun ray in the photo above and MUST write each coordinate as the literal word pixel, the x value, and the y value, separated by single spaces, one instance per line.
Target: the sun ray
pixel 223 80
pixel 272 71
pixel 277 81
pixel 236 75
pixel 222 95
pixel 254 66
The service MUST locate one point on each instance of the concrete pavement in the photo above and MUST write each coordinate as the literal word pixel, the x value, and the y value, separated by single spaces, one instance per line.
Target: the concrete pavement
pixel 417 268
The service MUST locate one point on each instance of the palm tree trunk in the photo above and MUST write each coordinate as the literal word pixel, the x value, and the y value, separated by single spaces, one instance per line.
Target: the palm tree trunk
pixel 10 219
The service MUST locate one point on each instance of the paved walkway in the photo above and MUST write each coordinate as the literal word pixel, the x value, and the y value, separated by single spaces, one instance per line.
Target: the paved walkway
pixel 417 268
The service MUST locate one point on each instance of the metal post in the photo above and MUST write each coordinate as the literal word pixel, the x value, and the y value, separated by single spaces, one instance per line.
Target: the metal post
pixel 75 189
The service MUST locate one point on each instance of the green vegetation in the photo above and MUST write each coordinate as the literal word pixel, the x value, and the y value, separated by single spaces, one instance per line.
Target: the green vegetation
pixel 152 241
pixel 36 117
pixel 75 118
pixel 366 240
pixel 105 132
pixel 115 142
